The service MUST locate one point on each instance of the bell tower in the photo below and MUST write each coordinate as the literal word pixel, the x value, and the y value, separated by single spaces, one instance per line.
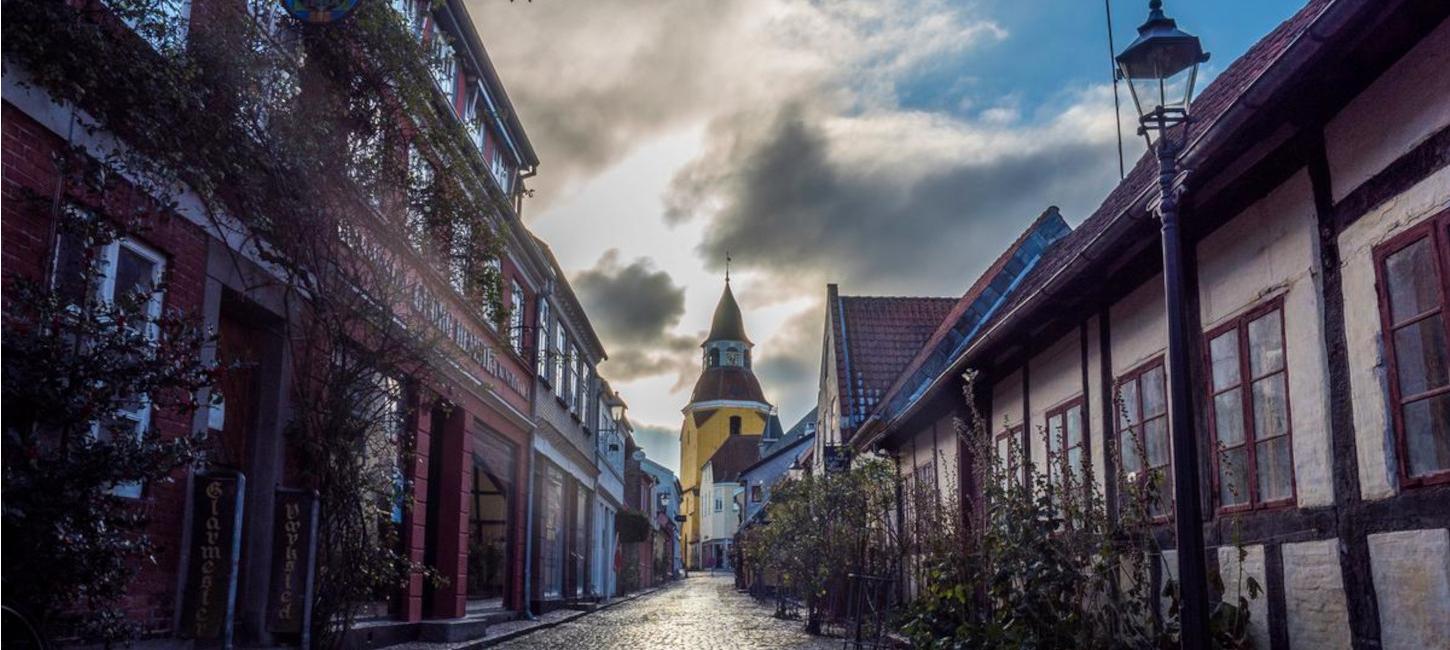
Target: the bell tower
pixel 727 401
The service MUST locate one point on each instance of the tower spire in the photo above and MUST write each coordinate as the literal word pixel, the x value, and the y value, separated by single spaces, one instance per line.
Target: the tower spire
pixel 727 267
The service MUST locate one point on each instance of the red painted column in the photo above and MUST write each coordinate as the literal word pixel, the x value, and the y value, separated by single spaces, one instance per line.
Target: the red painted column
pixel 452 533
pixel 415 521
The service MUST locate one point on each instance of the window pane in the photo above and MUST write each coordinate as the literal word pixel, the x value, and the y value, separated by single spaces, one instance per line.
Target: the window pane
pixel 1155 438
pixel 1128 405
pixel 1054 430
pixel 134 273
pixel 1074 426
pixel 1420 356
pixel 1271 407
pixel 1266 344
pixel 1224 355
pixel 1154 393
pixel 1161 493
pixel 1412 280
pixel 1228 418
pixel 1276 469
pixel 1427 435
pixel 1074 461
pixel 1233 478
pixel 1131 461
pixel 71 268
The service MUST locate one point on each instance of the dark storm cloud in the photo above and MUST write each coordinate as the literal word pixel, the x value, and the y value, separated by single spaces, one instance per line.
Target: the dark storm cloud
pixel 630 303
pixel 785 203
pixel 635 307
pixel 591 79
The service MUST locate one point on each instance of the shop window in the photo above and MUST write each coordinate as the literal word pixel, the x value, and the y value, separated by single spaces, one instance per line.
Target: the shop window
pixel 1249 411
pixel 1143 446
pixel 1410 272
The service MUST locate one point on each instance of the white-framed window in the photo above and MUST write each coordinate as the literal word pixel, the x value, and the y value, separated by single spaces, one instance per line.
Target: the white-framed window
pixel 542 339
pixel 420 179
pixel 444 65
pixel 460 256
pixel 516 317
pixel 166 23
pixel 499 167
pixel 585 380
pixel 364 155
pixel 576 366
pixel 490 308
pixel 127 267
pixel 474 113
pixel 412 13
pixel 565 368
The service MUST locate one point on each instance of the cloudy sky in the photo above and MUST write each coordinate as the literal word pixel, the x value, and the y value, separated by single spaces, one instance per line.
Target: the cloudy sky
pixel 891 146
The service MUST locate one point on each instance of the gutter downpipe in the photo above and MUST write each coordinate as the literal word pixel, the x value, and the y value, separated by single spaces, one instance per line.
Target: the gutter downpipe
pixel 1329 21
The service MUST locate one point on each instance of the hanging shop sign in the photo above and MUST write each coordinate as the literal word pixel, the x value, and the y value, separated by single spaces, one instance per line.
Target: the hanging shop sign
pixel 294 562
pixel 210 595
pixel 319 11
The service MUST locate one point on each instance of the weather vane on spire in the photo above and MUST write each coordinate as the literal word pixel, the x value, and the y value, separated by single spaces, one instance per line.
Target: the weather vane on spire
pixel 727 267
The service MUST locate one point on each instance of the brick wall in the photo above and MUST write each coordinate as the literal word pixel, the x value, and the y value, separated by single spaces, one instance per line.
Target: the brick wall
pixel 30 171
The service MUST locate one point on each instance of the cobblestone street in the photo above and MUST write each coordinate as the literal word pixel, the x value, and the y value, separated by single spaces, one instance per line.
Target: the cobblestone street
pixel 702 612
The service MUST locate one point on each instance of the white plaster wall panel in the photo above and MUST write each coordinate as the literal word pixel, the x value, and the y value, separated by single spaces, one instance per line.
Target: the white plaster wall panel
pixel 948 476
pixel 1314 596
pixel 1055 376
pixel 1411 572
pixel 1094 399
pixel 1402 108
pixel 1235 576
pixel 1368 388
pixel 1006 403
pixel 1139 326
pixel 1268 250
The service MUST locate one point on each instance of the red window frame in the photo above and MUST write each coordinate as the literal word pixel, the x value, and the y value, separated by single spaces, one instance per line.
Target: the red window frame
pixel 1246 380
pixel 1061 410
pixel 1135 375
pixel 1437 230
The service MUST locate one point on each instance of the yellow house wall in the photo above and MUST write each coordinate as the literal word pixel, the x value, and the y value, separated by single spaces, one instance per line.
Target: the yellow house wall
pixel 697 445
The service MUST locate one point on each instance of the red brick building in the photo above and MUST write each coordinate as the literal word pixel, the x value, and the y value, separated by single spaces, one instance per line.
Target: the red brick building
pixel 470 427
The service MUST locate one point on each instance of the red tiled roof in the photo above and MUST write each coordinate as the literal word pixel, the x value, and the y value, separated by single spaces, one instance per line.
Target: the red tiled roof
pixel 735 454
pixel 1208 107
pixel 876 337
pixel 727 383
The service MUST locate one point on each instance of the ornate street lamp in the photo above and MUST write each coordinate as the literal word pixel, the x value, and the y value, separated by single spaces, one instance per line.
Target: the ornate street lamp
pixel 1161 66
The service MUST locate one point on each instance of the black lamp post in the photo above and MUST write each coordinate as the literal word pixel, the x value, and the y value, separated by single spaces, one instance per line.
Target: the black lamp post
pixel 1161 66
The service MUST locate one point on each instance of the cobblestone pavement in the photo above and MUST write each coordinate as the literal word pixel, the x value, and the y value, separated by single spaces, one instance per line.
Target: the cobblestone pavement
pixel 701 612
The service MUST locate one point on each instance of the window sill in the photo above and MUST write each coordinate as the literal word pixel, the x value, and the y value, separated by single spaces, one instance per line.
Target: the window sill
pixel 1427 480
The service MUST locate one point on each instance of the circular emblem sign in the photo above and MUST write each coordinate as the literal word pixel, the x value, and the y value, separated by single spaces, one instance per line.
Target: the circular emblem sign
pixel 319 11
